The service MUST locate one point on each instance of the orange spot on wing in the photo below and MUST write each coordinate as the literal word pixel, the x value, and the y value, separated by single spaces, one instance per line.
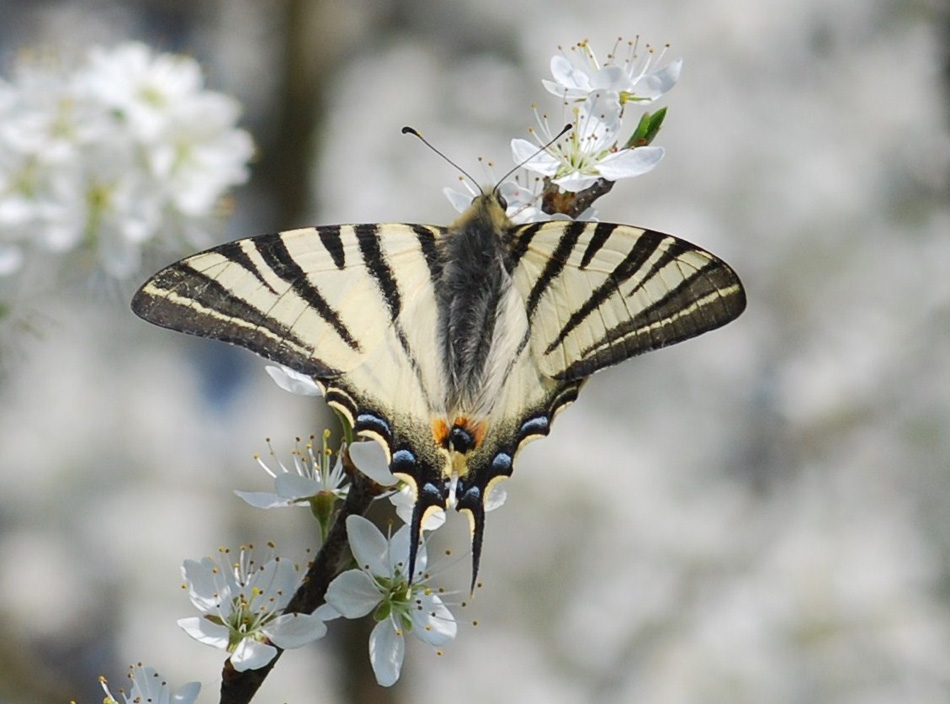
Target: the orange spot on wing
pixel 477 428
pixel 440 431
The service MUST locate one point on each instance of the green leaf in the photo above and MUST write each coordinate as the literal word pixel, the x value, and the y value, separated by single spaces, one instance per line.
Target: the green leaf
pixel 647 129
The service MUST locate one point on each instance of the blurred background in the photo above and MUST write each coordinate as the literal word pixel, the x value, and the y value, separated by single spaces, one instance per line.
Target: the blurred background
pixel 762 514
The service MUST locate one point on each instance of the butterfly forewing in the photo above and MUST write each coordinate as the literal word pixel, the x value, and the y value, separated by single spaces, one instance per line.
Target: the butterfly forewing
pixel 599 293
pixel 318 300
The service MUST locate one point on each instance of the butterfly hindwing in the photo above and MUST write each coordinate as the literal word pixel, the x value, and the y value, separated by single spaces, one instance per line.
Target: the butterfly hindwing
pixel 598 293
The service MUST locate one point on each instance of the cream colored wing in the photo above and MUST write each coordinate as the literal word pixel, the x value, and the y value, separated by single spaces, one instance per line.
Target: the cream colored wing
pixel 599 293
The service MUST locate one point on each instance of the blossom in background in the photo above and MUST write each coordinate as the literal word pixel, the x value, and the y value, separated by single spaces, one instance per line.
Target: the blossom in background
pixel 146 685
pixel 124 150
pixel 638 78
pixel 241 602
pixel 381 586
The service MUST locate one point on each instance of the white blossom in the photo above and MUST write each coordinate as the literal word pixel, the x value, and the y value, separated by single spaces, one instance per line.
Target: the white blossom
pixel 241 603
pixel 123 151
pixel 637 78
pixel 313 475
pixel 590 151
pixel 380 585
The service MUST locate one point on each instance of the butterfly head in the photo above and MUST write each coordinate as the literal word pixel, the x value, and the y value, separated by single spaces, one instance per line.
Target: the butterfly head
pixel 488 210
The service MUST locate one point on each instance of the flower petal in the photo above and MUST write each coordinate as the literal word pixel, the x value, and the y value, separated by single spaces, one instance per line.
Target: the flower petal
pixel 252 655
pixel 262 499
pixel 202 589
pixel 630 162
pixel 660 81
pixel 568 75
pixel 187 693
pixel 460 201
pixel 294 486
pixel 432 621
pixel 353 593
pixel 526 154
pixel 294 630
pixel 387 649
pixel 399 554
pixel 370 548
pixel 370 458
pixel 325 612
pixel 204 631
pixel 293 381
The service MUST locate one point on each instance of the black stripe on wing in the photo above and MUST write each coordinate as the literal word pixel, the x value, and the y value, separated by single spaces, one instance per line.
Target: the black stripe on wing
pixel 602 232
pixel 704 301
pixel 274 252
pixel 643 249
pixel 333 243
pixel 427 235
pixel 376 264
pixel 556 263
pixel 519 241
pixel 184 299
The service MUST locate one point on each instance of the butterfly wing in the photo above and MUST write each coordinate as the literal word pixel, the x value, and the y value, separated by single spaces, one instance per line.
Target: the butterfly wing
pixel 589 295
pixel 353 307
pixel 598 293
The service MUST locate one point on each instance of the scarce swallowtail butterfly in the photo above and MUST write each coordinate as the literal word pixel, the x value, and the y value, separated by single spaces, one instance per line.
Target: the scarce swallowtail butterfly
pixel 450 346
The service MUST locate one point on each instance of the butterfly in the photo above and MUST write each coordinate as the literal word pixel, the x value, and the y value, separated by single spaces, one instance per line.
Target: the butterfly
pixel 449 346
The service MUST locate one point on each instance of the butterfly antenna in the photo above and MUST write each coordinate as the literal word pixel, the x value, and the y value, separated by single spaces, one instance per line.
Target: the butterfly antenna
pixel 415 133
pixel 543 148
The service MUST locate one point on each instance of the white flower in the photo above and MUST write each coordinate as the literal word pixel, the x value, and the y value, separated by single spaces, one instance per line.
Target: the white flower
pixel 313 475
pixel 587 153
pixel 124 150
pixel 381 586
pixel 241 604
pixel 637 79
pixel 293 381
pixel 146 685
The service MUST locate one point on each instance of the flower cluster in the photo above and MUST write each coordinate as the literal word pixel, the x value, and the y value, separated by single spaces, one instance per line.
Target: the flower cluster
pixel 123 150
pixel 242 601
pixel 595 97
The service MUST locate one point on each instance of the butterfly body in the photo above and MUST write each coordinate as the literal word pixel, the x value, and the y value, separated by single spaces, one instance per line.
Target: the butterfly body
pixel 450 346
